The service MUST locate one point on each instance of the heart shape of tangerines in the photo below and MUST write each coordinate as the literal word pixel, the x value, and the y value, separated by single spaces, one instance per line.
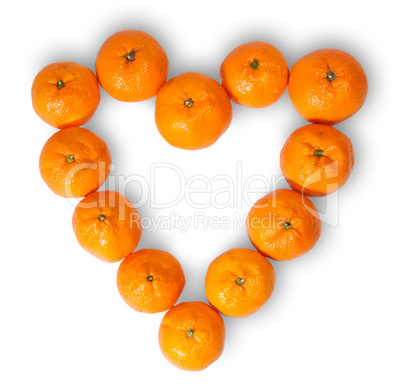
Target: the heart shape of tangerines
pixel 192 111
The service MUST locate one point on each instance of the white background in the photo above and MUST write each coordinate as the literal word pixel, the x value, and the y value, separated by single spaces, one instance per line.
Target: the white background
pixel 334 318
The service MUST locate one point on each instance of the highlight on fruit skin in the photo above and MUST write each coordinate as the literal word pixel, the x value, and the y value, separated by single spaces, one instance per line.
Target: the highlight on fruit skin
pixel 131 66
pixel 192 111
pixel 107 225
pixel 283 225
pixel 255 74
pixel 317 159
pixel 65 94
pixel 239 282
pixel 74 162
pixel 192 335
pixel 327 86
pixel 150 280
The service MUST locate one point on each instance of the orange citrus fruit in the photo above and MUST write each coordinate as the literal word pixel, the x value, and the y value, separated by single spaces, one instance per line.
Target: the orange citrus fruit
pixel 65 94
pixel 255 74
pixel 131 66
pixel 239 282
pixel 192 335
pixel 327 86
pixel 107 225
pixel 192 111
pixel 283 225
pixel 150 280
pixel 317 159
pixel 74 162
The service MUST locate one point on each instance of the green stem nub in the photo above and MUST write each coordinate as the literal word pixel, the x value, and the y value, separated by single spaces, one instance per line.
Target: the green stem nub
pixel 60 84
pixel 70 158
pixel 330 75
pixel 287 225
pixel 190 333
pixel 150 278
pixel 240 281
pixel 318 153
pixel 188 103
pixel 254 64
pixel 101 217
pixel 130 56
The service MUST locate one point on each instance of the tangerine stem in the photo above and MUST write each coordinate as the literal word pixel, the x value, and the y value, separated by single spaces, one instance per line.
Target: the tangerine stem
pixel 70 158
pixel 331 75
pixel 254 64
pixel 318 153
pixel 287 225
pixel 150 278
pixel 60 84
pixel 189 103
pixel 101 217
pixel 190 333
pixel 240 281
pixel 130 56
